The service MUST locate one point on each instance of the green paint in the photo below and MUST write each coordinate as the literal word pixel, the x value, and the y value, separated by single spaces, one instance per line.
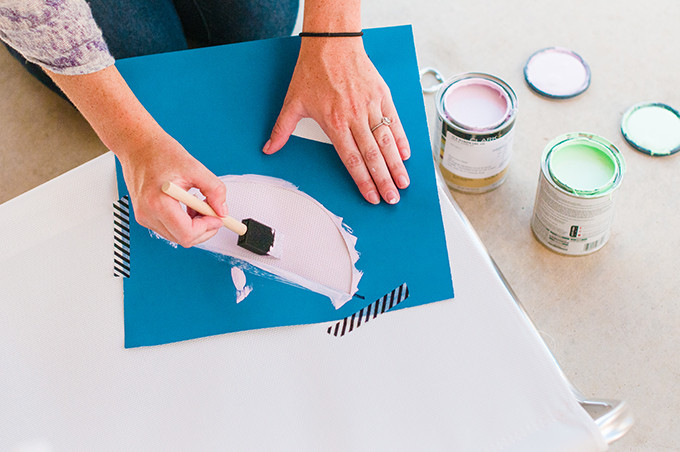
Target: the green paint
pixel 582 166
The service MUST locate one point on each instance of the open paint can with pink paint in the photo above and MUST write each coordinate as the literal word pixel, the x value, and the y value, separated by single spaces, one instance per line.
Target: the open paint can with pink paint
pixel 473 137
pixel 574 208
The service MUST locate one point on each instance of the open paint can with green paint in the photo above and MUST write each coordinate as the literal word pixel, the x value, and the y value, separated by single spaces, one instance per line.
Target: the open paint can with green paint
pixel 574 208
pixel 473 136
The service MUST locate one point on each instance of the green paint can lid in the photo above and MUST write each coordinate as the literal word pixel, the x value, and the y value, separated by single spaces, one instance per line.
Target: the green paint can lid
pixel 652 128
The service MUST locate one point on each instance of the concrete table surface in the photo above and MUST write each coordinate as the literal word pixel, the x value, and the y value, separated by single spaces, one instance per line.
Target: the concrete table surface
pixel 611 318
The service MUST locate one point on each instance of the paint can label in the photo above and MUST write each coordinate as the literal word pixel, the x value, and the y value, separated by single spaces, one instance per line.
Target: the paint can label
pixel 476 159
pixel 570 224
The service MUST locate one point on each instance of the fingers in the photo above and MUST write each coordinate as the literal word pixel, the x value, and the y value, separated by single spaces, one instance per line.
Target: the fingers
pixel 397 129
pixel 215 194
pixel 188 228
pixel 165 215
pixel 179 227
pixel 387 136
pixel 283 128
pixel 354 162
pixel 374 158
pixel 210 186
pixel 379 151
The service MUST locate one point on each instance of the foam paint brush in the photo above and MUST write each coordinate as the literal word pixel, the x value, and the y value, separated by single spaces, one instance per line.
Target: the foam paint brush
pixel 253 235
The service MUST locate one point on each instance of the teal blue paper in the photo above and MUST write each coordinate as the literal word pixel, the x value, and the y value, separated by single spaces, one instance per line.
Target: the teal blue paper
pixel 220 103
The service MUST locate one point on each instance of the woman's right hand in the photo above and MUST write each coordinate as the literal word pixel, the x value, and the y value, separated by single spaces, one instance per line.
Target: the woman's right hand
pixel 163 159
pixel 149 156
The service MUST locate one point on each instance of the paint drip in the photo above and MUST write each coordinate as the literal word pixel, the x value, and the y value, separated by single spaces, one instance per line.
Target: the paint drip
pixel 239 279
pixel 574 208
pixel 473 138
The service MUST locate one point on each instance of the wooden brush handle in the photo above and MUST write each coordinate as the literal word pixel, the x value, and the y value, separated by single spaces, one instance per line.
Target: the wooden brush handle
pixel 202 207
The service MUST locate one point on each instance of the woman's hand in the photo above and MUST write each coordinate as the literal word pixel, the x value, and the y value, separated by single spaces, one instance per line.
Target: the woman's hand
pixel 164 159
pixel 336 84
pixel 148 155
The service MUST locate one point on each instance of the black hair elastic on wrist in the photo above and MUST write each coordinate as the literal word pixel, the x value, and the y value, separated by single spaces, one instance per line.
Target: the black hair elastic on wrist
pixel 348 34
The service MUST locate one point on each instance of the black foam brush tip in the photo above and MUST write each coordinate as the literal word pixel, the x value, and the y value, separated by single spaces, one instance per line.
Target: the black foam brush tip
pixel 258 238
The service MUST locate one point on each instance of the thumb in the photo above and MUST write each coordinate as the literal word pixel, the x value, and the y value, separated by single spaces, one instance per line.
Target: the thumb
pixel 284 127
pixel 214 191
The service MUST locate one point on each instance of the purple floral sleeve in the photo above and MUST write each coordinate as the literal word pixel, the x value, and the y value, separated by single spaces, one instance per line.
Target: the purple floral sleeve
pixel 59 35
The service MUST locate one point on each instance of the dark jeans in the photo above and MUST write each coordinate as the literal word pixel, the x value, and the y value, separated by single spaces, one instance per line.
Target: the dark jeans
pixel 144 27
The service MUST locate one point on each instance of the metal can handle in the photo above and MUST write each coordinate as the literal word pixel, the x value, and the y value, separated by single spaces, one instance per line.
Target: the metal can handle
pixel 436 74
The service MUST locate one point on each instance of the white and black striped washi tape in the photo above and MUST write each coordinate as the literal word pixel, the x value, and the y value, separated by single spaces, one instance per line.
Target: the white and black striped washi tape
pixel 121 237
pixel 379 306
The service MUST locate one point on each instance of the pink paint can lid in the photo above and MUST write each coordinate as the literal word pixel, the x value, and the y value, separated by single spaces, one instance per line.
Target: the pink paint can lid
pixel 557 73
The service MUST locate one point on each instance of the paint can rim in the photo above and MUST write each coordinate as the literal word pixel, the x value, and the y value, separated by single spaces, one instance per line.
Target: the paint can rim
pixel 631 140
pixel 602 144
pixel 536 89
pixel 468 132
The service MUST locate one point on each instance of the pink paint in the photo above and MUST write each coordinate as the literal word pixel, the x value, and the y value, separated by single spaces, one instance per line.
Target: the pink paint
pixel 476 104
pixel 558 73
pixel 318 250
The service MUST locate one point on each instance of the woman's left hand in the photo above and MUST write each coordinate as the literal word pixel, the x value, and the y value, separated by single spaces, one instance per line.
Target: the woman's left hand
pixel 336 84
